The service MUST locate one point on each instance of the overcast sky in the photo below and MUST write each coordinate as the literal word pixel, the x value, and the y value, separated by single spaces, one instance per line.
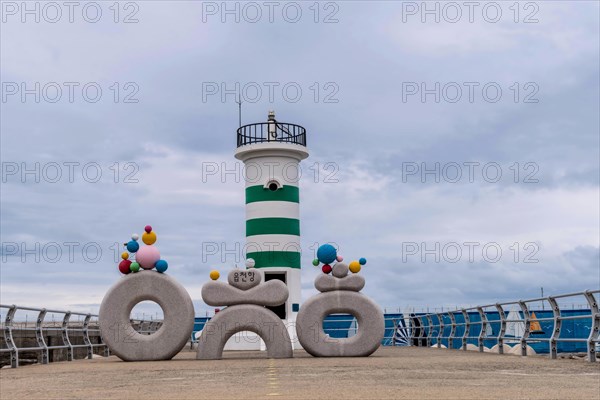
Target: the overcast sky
pixel 501 100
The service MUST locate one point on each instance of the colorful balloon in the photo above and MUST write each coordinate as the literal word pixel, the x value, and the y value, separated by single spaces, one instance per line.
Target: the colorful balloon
pixel 132 246
pixel 250 263
pixel 214 275
pixel 316 262
pixel 149 238
pixel 326 253
pixel 161 266
pixel 124 255
pixel 147 256
pixel 148 228
pixel 326 268
pixel 354 266
pixel 362 261
pixel 339 258
pixel 134 267
pixel 124 267
pixel 135 237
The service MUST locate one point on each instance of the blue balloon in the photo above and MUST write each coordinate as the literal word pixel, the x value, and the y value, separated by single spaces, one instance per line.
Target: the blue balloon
pixel 133 246
pixel 161 265
pixel 326 253
pixel 362 261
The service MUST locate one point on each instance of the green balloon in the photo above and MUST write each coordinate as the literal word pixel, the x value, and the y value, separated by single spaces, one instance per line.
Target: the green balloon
pixel 316 262
pixel 134 267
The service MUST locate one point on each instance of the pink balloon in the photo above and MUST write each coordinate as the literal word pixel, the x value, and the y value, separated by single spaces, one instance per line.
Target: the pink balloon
pixel 339 258
pixel 147 256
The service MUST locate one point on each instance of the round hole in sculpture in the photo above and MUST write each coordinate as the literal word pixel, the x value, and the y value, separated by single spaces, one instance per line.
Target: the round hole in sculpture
pixel 146 317
pixel 340 326
pixel 273 186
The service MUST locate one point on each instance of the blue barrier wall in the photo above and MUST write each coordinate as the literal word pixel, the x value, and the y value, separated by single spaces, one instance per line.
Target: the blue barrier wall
pixel 338 326
pixel 571 329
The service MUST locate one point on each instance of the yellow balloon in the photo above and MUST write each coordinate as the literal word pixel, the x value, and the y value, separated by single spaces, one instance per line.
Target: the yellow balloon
pixel 214 275
pixel 354 267
pixel 149 238
pixel 125 255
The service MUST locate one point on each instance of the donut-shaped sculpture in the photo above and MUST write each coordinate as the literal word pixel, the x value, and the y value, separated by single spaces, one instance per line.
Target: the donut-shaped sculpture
pixel 309 324
pixel 245 317
pixel 169 339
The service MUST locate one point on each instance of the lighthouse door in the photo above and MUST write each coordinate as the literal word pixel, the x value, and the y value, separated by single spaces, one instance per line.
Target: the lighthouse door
pixel 280 310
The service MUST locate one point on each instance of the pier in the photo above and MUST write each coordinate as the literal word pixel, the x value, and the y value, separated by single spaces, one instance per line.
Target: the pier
pixel 390 373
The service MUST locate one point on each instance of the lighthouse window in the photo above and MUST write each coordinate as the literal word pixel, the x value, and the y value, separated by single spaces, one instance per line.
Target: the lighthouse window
pixel 273 185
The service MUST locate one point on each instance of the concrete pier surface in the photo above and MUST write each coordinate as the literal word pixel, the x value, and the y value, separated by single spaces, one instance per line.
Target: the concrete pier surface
pixel 390 373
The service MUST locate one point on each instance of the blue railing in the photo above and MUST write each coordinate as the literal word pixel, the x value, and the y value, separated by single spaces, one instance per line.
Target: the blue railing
pixel 560 330
pixel 554 331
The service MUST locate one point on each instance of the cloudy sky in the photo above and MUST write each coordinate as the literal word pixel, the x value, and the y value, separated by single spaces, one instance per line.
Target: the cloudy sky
pixel 456 149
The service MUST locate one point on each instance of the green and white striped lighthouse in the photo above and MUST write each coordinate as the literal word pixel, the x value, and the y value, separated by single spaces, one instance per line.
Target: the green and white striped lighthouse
pixel 271 152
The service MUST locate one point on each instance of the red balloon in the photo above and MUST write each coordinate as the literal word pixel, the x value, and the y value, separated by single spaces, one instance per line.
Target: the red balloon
pixel 124 267
pixel 148 228
pixel 326 268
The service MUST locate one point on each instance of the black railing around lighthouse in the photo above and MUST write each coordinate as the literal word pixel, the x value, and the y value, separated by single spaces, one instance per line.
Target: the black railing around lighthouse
pixel 260 133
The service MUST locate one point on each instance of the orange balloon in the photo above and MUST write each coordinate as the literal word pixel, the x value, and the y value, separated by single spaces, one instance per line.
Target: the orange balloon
pixel 149 238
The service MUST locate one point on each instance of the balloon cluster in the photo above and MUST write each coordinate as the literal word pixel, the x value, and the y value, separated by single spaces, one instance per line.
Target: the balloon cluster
pixel 146 257
pixel 327 254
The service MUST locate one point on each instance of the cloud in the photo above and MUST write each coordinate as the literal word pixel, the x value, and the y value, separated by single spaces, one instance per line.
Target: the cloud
pixel 176 145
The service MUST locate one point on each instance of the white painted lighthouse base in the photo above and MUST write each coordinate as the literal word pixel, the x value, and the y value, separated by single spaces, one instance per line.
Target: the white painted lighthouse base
pixel 247 341
pixel 244 340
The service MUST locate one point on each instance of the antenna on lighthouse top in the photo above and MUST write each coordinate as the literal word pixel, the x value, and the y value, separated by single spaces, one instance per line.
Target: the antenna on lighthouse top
pixel 239 103
pixel 272 125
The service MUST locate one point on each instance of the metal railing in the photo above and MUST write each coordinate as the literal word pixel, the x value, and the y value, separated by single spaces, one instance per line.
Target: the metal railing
pixel 432 333
pixel 67 329
pixel 146 327
pixel 428 329
pixel 259 133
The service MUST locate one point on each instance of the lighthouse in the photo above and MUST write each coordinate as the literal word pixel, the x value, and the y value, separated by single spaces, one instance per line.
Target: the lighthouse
pixel 271 152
